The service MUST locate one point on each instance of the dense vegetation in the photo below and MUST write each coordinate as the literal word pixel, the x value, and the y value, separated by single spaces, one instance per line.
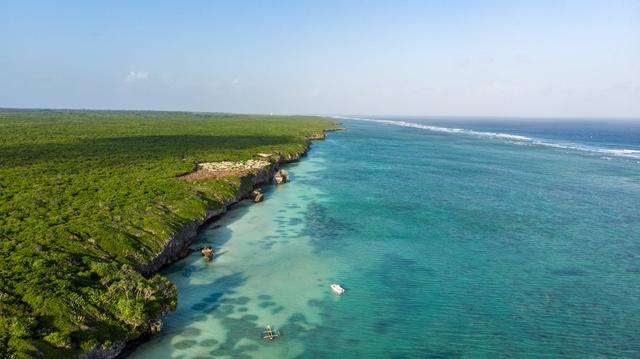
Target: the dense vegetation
pixel 85 197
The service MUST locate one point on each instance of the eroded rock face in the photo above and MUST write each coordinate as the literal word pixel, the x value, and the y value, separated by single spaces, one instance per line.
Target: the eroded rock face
pixel 214 170
pixel 178 246
pixel 232 166
pixel 317 136
pixel 100 352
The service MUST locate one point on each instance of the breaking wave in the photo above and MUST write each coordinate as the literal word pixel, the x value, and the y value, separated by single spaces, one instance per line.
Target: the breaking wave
pixel 522 140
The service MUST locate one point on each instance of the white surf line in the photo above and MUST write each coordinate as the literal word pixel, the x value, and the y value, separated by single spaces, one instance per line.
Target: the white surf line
pixel 627 153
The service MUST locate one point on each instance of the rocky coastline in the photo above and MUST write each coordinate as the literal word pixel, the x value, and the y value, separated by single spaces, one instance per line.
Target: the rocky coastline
pixel 178 245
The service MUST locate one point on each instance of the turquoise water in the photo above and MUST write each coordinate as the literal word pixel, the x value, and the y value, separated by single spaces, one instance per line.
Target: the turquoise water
pixel 450 244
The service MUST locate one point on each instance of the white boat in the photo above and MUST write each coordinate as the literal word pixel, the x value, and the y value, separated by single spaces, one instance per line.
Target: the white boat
pixel 337 288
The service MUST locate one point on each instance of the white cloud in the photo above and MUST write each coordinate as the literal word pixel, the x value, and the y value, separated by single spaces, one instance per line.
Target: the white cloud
pixel 136 76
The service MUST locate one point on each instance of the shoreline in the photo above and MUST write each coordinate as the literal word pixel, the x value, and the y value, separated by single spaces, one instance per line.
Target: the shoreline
pixel 177 247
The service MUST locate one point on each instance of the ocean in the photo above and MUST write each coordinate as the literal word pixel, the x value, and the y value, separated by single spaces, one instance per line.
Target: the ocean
pixel 454 238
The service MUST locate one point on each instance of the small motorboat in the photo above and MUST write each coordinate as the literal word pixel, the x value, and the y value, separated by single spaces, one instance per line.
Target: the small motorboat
pixel 337 289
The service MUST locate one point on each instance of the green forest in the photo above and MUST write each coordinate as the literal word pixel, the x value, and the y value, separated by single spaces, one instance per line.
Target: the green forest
pixel 87 196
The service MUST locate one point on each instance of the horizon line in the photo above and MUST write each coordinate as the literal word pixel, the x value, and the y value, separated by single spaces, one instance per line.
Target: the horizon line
pixel 479 117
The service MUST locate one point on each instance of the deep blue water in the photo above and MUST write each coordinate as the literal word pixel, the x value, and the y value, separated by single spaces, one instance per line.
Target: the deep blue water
pixel 454 239
pixel 615 133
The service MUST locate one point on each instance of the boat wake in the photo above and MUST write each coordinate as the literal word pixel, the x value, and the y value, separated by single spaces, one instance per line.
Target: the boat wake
pixel 515 139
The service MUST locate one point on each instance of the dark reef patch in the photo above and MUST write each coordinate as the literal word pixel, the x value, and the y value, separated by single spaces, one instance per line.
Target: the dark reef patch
pixel 295 221
pixel 208 342
pixel 213 298
pixel 199 306
pixel 185 344
pixel 326 232
pixel 277 309
pixel 266 304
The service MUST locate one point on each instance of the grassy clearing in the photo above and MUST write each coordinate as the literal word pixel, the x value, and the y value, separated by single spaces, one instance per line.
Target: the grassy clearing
pixel 86 196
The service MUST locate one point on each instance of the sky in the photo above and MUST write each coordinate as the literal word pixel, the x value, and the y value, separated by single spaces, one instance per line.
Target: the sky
pixel 446 58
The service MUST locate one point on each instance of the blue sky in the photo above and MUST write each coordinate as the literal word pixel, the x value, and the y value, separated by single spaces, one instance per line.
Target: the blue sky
pixel 471 58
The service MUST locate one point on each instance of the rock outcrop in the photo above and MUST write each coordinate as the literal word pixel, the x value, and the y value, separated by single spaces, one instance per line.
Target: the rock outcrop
pixel 207 253
pixel 282 176
pixel 100 352
pixel 257 196
pixel 155 326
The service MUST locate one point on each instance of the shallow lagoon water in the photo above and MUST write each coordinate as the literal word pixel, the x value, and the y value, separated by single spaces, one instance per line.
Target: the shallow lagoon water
pixel 266 272
pixel 450 246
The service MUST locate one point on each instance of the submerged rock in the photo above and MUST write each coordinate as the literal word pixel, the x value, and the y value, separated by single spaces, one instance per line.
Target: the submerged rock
pixel 207 253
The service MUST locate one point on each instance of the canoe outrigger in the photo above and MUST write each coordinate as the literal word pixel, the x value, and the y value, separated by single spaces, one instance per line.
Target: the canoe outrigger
pixel 269 334
pixel 207 253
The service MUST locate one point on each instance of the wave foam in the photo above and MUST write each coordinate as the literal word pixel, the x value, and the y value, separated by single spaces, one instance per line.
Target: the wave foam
pixel 628 153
